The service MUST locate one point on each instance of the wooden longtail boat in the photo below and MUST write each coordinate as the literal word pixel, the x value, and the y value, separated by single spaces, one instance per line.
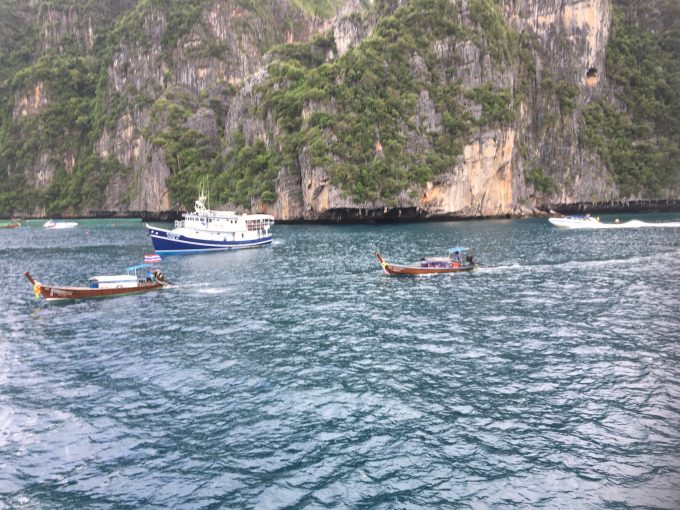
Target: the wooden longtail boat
pixel 101 286
pixel 458 261
pixel 10 225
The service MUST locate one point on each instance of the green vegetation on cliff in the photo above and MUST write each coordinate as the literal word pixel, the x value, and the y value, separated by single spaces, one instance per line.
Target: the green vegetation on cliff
pixel 48 154
pixel 51 114
pixel 356 116
pixel 61 127
pixel 641 143
pixel 380 121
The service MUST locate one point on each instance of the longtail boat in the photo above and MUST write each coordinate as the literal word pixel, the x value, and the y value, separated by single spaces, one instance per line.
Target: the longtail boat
pixel 459 261
pixel 13 224
pixel 103 286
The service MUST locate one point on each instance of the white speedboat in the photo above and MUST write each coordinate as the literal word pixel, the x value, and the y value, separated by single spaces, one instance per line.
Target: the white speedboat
pixel 205 230
pixel 59 224
pixel 586 221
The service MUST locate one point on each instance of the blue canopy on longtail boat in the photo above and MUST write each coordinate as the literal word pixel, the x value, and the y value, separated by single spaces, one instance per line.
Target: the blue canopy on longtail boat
pixel 460 248
pixel 140 266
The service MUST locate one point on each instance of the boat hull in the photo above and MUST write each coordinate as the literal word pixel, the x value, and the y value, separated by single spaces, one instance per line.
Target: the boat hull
pixel 403 270
pixel 575 223
pixel 167 242
pixel 10 225
pixel 55 293
pixel 60 225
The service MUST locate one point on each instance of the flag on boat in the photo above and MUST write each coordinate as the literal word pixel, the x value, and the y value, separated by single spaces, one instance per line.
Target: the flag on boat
pixel 152 259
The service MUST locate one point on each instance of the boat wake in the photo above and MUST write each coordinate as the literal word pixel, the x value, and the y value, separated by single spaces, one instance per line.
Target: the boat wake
pixel 628 224
pixel 213 290
pixel 571 265
pixel 488 268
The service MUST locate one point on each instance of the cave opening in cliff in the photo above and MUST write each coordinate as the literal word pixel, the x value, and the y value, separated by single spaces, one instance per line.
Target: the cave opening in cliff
pixel 592 73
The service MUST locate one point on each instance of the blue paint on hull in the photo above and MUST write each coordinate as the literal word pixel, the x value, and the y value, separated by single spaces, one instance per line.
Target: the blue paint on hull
pixel 179 244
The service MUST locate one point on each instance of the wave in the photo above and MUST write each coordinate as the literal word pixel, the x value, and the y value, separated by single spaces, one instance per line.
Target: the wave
pixel 638 260
pixel 628 224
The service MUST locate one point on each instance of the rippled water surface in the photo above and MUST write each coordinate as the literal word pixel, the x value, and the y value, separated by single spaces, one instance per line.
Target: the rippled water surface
pixel 298 375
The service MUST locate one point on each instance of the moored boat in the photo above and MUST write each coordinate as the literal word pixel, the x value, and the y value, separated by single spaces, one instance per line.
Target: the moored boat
pixel 11 224
pixel 460 260
pixel 103 286
pixel 205 230
pixel 57 225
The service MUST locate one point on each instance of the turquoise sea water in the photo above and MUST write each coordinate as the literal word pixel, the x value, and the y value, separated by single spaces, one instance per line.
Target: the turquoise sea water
pixel 298 375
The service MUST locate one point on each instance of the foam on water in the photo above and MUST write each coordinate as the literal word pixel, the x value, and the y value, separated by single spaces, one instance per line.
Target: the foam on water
pixel 627 224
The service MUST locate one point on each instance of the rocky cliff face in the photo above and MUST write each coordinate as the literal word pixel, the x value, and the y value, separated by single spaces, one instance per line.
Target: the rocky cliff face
pixel 212 80
pixel 225 49
pixel 567 45
pixel 569 58
pixel 566 42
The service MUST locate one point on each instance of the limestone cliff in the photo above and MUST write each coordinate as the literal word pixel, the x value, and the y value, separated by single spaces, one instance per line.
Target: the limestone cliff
pixel 568 55
pixel 483 107
pixel 568 41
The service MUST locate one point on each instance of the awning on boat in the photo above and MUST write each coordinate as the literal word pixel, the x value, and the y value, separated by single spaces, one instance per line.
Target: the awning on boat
pixel 459 248
pixel 140 266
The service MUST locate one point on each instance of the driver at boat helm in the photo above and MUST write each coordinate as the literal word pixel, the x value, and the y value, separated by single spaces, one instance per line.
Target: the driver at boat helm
pixel 148 276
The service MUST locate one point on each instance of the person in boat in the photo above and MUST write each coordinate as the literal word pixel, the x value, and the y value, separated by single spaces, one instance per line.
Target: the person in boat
pixel 456 257
pixel 149 276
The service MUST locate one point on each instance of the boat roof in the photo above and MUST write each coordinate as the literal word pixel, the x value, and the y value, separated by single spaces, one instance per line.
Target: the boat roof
pixel 139 266
pixel 458 248
pixel 210 214
pixel 114 278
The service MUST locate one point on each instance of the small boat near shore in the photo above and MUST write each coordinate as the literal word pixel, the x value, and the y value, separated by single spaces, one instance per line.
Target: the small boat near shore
pixel 460 260
pixel 205 230
pixel 103 286
pixel 10 224
pixel 58 225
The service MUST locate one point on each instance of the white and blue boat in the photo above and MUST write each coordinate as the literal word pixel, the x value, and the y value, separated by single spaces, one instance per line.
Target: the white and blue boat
pixel 205 230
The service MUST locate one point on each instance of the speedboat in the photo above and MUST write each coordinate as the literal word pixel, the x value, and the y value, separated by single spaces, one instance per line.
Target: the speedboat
pixel 586 221
pixel 103 286
pixel 205 230
pixel 459 260
pixel 59 224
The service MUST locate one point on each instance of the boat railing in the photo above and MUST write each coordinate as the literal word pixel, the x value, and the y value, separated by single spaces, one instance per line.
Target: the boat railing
pixel 257 224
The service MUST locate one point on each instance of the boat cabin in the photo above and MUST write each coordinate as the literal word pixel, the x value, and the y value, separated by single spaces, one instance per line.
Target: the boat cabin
pixel 458 256
pixel 134 278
